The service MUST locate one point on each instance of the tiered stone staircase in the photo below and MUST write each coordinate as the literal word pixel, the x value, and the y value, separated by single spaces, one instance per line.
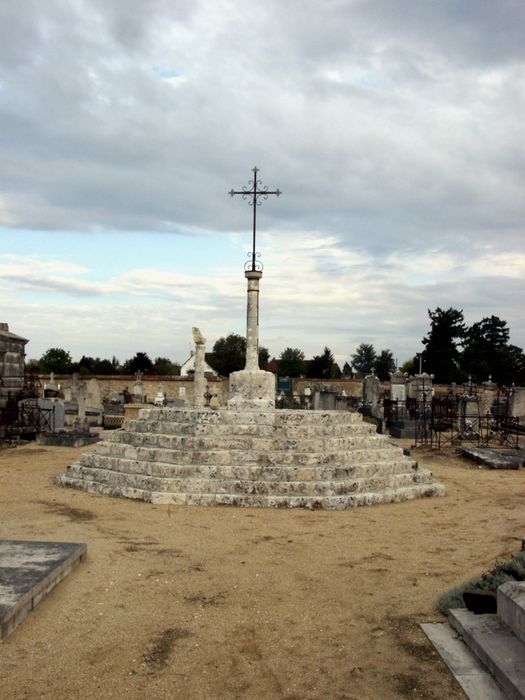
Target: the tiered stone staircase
pixel 271 458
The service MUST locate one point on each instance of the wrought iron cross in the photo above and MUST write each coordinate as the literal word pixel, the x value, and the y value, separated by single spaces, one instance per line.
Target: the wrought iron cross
pixel 254 191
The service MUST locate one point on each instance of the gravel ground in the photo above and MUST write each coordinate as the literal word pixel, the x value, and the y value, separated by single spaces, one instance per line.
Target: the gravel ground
pixel 182 602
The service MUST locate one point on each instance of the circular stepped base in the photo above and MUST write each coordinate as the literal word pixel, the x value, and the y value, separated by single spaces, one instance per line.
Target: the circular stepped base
pixel 274 459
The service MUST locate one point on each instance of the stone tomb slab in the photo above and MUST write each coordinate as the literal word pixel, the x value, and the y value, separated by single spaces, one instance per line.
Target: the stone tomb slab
pixel 28 571
pixel 495 459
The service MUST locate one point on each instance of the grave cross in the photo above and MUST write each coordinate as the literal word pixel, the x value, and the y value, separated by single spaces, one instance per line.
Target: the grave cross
pixel 254 191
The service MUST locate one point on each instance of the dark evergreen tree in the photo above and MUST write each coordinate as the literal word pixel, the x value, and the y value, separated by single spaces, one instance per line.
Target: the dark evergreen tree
pixel 347 370
pixel 384 365
pixel 487 352
pixel 441 354
pixel 335 372
pixel 364 358
pixel 320 366
pixel 139 363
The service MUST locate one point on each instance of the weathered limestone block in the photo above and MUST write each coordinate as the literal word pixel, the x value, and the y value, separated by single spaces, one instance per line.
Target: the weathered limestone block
pixel 251 390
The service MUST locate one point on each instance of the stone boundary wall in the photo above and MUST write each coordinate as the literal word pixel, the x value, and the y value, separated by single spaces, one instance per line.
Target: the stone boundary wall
pixel 170 386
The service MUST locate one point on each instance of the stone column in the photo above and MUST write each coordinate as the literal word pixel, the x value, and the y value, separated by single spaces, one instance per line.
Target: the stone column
pixel 199 380
pixel 252 320
pixel 252 388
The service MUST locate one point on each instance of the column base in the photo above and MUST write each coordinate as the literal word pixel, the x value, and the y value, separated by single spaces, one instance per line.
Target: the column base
pixel 251 390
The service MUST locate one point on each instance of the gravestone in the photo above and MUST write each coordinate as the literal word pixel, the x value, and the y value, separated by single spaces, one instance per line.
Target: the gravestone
pixel 138 389
pixel 468 416
pixel 398 386
pixel 307 393
pixel 517 402
pixel 51 388
pixel 81 421
pixel 160 397
pixel 419 387
pixel 372 397
pixel 93 395
pixel 324 400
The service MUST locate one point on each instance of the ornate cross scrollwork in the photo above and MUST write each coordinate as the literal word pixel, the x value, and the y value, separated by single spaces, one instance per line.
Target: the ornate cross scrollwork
pixel 254 192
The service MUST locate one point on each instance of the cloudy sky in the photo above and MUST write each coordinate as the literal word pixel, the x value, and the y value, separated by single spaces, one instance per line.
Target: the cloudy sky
pixel 393 128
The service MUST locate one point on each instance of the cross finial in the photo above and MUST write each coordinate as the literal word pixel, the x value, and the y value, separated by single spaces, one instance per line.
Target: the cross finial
pixel 254 194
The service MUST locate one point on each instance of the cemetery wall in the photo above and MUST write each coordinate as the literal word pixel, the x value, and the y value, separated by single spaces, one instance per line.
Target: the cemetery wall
pixel 172 387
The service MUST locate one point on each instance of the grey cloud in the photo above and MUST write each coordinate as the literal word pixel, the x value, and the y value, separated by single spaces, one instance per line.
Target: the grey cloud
pixel 91 137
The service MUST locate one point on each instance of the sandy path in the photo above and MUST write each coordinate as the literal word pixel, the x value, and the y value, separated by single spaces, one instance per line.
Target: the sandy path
pixel 181 602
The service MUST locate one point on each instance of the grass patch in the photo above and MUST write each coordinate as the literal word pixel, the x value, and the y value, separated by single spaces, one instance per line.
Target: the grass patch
pixel 510 570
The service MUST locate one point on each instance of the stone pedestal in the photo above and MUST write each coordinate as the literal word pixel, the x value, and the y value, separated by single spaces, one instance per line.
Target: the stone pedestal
pixel 251 390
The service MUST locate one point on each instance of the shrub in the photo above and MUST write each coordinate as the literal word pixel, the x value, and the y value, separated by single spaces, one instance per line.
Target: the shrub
pixel 510 570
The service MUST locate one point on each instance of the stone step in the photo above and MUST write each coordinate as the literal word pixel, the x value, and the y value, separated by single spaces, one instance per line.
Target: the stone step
pixel 292 430
pixel 247 457
pixel 363 469
pixel 251 500
pixel 249 486
pixel 249 442
pixel 497 647
pixel 166 477
pixel 279 417
pixel 511 607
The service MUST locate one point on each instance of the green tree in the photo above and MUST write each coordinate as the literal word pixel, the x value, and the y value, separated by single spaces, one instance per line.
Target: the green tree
pixel 104 367
pixel 291 362
pixel 139 363
pixel 229 354
pixel 487 352
pixel 441 354
pixel 384 365
pixel 320 366
pixel 55 360
pixel 513 371
pixel 165 367
pixel 364 358
pixel 94 365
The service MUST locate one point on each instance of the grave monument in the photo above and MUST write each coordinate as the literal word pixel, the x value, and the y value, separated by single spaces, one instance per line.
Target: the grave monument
pixel 250 454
